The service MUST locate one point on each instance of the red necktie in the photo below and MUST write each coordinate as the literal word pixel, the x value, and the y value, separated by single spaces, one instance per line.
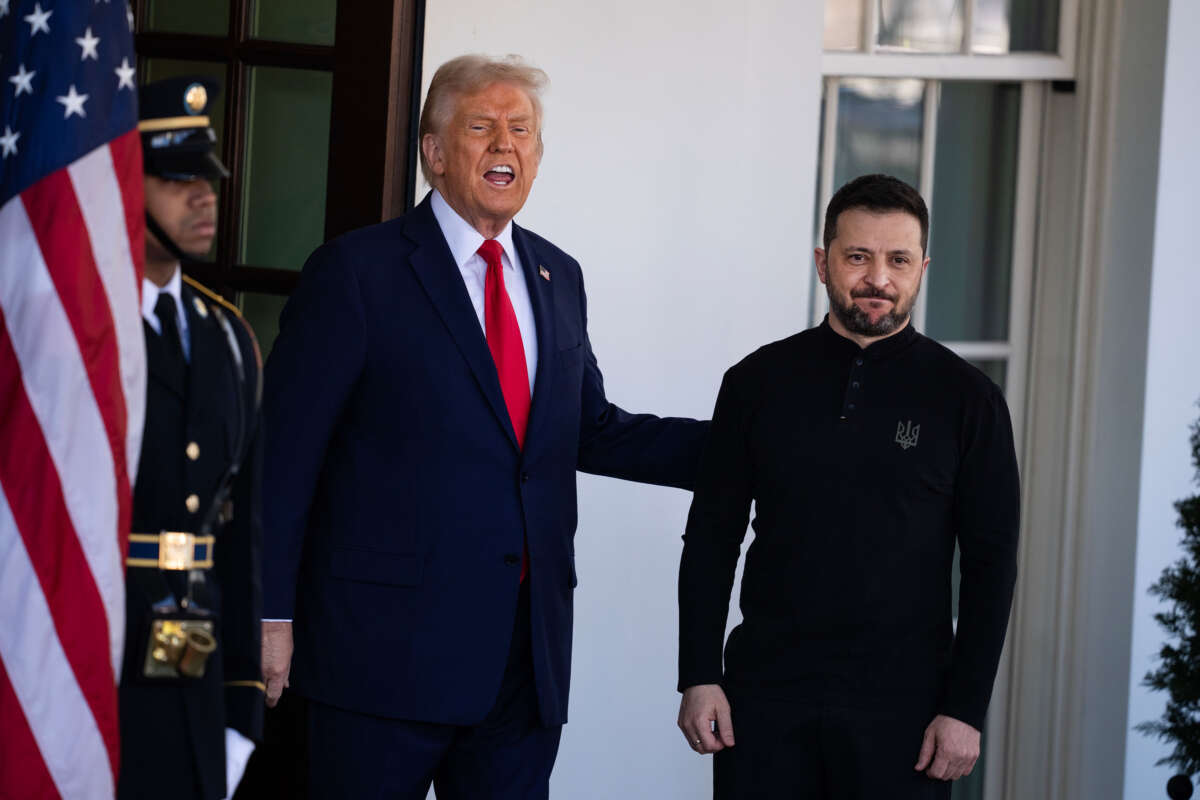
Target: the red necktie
pixel 508 349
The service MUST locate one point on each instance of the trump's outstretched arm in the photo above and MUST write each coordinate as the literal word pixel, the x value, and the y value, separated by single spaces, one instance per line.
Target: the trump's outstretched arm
pixel 636 447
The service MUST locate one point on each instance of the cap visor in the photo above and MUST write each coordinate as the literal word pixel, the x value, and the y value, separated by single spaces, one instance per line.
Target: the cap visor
pixel 216 168
pixel 184 166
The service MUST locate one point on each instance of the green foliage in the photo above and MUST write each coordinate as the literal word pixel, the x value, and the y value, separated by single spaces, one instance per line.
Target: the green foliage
pixel 1178 672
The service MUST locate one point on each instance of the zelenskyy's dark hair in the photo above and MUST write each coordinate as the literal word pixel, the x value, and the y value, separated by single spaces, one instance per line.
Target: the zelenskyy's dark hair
pixel 876 193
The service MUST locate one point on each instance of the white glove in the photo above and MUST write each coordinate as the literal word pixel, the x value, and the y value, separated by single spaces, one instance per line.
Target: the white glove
pixel 237 752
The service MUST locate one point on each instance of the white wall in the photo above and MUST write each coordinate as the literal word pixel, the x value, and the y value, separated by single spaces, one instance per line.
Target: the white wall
pixel 1172 384
pixel 680 166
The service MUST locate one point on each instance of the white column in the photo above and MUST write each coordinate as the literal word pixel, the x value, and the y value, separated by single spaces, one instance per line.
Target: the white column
pixel 1172 385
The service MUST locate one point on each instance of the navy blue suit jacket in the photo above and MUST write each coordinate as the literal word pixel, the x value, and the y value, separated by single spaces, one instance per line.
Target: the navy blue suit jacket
pixel 396 497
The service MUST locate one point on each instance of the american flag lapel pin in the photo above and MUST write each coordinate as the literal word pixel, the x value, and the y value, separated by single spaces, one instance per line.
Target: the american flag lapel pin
pixel 545 273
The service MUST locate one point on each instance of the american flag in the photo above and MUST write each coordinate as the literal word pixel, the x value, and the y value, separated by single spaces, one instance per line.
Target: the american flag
pixel 72 386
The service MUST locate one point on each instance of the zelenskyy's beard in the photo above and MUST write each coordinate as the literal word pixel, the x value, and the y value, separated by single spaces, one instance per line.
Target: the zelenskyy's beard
pixel 859 322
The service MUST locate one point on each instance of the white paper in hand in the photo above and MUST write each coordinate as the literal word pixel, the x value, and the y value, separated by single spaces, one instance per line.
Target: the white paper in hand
pixel 237 752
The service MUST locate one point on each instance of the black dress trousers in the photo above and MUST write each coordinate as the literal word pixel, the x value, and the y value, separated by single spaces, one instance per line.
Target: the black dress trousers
pixel 798 749
pixel 507 756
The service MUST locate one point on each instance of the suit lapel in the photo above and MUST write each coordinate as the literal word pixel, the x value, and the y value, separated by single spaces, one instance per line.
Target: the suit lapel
pixel 541 297
pixel 435 269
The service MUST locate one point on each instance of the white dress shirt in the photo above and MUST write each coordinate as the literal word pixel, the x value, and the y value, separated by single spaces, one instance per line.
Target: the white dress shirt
pixel 464 241
pixel 174 287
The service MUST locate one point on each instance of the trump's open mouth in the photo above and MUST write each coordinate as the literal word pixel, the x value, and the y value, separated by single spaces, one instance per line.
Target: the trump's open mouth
pixel 500 175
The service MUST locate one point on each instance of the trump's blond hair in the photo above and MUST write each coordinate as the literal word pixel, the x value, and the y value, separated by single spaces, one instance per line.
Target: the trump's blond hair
pixel 470 74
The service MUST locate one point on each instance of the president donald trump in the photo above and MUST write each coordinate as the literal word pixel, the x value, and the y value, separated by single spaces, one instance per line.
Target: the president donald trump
pixel 430 397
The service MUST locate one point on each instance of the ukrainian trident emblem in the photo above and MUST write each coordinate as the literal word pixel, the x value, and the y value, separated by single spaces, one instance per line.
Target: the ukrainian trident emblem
pixel 906 434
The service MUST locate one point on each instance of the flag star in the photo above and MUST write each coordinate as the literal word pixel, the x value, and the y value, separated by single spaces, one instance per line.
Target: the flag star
pixel 22 80
pixel 129 15
pixel 9 142
pixel 124 75
pixel 88 42
pixel 38 20
pixel 3 8
pixel 73 102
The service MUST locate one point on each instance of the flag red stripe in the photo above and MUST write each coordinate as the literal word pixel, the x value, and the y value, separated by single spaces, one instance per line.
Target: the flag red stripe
pixel 127 163
pixel 31 485
pixel 23 772
pixel 126 153
pixel 62 236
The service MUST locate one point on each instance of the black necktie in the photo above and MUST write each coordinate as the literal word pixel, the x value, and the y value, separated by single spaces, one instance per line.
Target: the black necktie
pixel 167 313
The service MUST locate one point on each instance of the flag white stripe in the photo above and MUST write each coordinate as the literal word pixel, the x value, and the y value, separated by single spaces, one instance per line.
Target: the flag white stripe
pixel 103 208
pixel 42 678
pixel 56 382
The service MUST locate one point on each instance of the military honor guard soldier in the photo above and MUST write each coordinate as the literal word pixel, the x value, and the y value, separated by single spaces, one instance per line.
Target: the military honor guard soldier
pixel 191 696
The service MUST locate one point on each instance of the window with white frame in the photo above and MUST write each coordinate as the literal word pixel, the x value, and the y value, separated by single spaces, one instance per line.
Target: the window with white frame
pixel 949 96
pixel 971 38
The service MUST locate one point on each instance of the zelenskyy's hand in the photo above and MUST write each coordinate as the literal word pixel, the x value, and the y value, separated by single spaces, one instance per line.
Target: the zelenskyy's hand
pixel 949 750
pixel 700 708
pixel 276 658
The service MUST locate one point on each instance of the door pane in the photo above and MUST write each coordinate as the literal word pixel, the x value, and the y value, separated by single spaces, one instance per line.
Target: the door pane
pixel 843 24
pixel 879 129
pixel 1004 26
pixel 305 21
pixel 994 368
pixel 262 312
pixel 971 222
pixel 287 156
pixel 210 17
pixel 924 26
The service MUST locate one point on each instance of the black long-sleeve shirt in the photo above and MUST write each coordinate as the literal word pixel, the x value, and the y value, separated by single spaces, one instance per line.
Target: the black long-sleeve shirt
pixel 863 465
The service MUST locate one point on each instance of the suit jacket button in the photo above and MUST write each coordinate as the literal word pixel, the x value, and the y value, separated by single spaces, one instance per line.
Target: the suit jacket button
pixel 193 451
pixel 511 559
pixel 193 503
pixel 524 477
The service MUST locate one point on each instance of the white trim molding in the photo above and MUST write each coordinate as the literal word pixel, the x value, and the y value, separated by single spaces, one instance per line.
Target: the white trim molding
pixel 1069 672
pixel 955 66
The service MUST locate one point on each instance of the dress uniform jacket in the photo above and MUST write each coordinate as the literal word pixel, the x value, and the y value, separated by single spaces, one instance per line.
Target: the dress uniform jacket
pixel 197 424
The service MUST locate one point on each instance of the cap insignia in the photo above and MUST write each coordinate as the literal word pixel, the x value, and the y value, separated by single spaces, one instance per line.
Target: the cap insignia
pixel 195 98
